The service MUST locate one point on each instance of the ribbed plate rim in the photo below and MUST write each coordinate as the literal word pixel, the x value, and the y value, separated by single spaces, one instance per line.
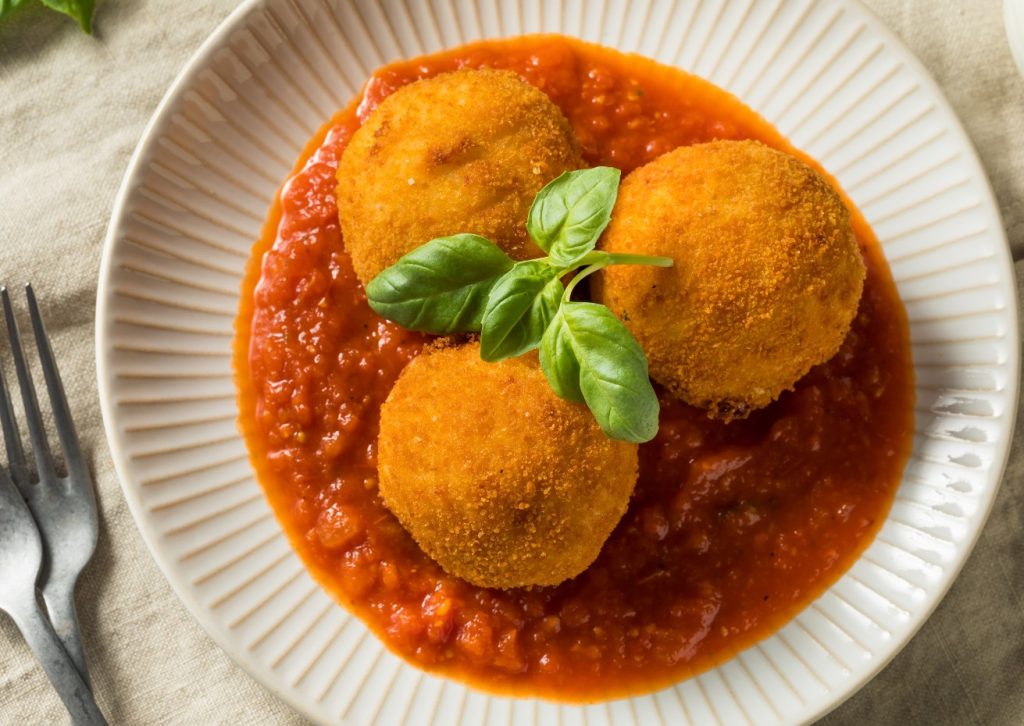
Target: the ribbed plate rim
pixel 200 612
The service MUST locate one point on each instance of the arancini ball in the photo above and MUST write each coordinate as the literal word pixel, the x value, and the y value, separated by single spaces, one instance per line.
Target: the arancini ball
pixel 766 280
pixel 497 479
pixel 464 151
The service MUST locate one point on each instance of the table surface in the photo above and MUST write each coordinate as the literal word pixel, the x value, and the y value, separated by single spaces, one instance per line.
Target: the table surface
pixel 72 109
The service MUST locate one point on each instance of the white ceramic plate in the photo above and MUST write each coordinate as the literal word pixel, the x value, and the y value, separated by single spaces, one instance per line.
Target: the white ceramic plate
pixel 825 72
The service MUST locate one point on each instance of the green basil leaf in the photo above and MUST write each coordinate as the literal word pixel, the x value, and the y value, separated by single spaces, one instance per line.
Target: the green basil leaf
pixel 558 359
pixel 612 369
pixel 570 213
pixel 519 309
pixel 440 287
pixel 7 7
pixel 80 10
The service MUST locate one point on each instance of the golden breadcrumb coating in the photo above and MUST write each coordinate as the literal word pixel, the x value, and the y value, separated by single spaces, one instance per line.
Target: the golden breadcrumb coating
pixel 766 280
pixel 460 152
pixel 499 480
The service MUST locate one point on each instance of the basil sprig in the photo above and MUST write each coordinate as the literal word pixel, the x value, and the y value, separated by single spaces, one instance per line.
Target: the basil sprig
pixel 466 283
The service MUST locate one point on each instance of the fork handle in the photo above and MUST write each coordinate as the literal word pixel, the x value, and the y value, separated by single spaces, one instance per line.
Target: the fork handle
pixel 60 605
pixel 58 665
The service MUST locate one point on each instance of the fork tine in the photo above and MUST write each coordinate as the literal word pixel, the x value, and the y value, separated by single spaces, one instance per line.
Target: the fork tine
pixel 12 439
pixel 36 433
pixel 8 492
pixel 55 388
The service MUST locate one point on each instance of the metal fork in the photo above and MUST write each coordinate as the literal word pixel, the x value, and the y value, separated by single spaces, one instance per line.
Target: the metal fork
pixel 50 546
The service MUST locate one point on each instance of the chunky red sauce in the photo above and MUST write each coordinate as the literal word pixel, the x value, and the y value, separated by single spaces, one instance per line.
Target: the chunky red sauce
pixel 732 529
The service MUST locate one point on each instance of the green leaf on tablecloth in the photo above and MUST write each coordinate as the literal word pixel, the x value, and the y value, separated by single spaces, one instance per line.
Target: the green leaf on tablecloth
pixel 80 10
pixel 8 6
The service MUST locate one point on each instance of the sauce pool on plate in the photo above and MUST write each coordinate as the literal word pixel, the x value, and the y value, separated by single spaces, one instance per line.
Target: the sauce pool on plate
pixel 733 528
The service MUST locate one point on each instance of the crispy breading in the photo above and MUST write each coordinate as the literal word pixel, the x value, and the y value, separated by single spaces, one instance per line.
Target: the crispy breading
pixel 499 480
pixel 767 274
pixel 460 152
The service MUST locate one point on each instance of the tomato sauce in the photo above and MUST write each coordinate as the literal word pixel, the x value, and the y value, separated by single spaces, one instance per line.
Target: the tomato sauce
pixel 733 528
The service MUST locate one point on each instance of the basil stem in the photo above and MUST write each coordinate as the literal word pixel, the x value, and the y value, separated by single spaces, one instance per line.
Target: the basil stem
pixel 623 258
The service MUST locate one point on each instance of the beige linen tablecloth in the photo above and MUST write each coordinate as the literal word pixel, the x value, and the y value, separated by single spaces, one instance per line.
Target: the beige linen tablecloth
pixel 71 111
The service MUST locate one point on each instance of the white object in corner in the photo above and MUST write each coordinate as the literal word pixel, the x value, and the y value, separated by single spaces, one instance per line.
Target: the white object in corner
pixel 1013 15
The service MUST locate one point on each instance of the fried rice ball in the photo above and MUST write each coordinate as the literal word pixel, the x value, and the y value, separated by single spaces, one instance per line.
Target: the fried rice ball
pixel 499 480
pixel 465 151
pixel 767 274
